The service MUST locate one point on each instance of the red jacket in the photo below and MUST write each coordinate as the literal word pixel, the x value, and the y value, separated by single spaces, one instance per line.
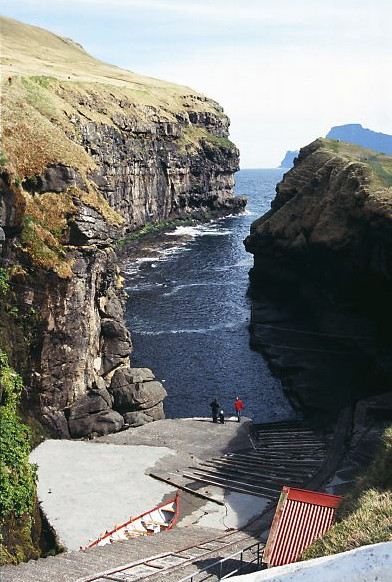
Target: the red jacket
pixel 239 405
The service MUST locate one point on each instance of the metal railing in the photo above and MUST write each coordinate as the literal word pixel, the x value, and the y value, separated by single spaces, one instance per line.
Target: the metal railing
pixel 226 567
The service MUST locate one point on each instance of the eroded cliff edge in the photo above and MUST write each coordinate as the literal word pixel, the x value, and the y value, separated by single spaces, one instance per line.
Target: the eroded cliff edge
pixel 91 153
pixel 321 284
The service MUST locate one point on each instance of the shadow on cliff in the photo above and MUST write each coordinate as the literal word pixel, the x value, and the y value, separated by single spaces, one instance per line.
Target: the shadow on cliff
pixel 327 354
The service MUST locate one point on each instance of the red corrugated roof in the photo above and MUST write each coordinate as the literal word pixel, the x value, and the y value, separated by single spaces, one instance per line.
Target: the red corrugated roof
pixel 301 517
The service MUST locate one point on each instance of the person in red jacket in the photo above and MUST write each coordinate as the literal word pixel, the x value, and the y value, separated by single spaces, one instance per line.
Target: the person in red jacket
pixel 239 406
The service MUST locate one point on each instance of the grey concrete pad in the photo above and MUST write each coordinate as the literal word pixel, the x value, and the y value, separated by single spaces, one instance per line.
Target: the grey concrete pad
pixel 192 437
pixel 86 488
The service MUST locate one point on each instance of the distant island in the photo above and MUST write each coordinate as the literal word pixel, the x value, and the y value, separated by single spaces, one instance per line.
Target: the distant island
pixel 356 134
pixel 288 160
pixel 352 133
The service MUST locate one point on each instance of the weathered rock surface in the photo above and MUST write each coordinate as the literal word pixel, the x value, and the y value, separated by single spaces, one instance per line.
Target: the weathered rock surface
pixel 92 415
pixel 163 180
pixel 89 227
pixel 132 390
pixel 140 417
pixel 322 276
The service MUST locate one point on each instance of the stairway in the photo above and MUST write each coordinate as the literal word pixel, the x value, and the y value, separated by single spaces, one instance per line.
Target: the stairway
pixel 286 453
pixel 172 554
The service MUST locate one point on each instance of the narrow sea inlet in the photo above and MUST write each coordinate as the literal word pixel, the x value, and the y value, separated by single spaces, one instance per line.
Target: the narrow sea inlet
pixel 188 314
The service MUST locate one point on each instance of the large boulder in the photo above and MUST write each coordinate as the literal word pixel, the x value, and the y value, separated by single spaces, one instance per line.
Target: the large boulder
pixel 92 415
pixel 140 417
pixel 148 394
pixel 134 389
pixel 110 305
pixel 137 418
pixel 56 422
pixel 88 227
pixel 140 375
pixel 116 344
pixel 104 422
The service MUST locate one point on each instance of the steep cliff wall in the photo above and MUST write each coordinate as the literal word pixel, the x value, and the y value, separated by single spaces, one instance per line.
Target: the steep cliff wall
pixel 322 276
pixel 90 153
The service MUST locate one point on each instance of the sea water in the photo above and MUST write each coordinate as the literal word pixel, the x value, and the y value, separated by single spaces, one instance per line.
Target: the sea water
pixel 188 314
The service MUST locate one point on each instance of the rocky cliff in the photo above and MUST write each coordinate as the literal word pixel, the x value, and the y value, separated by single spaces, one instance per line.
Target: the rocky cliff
pixel 91 153
pixel 322 276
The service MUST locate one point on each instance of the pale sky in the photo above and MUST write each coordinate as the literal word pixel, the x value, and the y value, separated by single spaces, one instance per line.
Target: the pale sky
pixel 285 71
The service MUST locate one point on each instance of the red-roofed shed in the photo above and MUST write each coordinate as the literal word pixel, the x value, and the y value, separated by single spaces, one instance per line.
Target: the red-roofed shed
pixel 301 517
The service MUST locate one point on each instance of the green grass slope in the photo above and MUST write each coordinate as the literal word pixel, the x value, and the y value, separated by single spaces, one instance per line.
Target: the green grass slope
pixel 30 51
pixel 365 515
pixel 379 165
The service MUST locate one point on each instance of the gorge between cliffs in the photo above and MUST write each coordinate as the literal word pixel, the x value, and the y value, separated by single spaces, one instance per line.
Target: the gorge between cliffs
pixel 100 169
pixel 90 162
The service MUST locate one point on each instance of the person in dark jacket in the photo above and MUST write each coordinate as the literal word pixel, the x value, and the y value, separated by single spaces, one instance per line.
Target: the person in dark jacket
pixel 215 406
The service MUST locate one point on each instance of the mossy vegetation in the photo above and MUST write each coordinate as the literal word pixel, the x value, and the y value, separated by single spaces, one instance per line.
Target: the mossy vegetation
pixel 193 137
pixel 365 515
pixel 18 476
pixel 37 134
pixel 43 248
pixel 17 315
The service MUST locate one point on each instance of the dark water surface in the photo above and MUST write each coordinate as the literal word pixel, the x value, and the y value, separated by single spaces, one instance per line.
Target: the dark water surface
pixel 188 314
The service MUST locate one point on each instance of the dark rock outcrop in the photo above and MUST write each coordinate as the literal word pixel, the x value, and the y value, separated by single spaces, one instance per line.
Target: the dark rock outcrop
pixel 135 389
pixel 322 277
pixel 92 415
pixel 146 179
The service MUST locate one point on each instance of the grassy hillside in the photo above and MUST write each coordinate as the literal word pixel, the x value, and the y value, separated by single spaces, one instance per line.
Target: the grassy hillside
pixel 31 51
pixel 365 515
pixel 379 165
pixel 55 79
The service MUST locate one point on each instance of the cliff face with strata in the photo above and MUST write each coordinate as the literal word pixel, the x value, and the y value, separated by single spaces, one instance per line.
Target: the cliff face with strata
pixel 91 154
pixel 322 276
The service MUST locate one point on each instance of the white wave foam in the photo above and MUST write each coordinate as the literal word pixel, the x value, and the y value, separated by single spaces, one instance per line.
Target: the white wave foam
pixel 212 229
pixel 133 268
pixel 146 260
pixel 200 331
pixel 178 288
pixel 247 262
pixel 130 271
pixel 171 251
pixel 140 287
